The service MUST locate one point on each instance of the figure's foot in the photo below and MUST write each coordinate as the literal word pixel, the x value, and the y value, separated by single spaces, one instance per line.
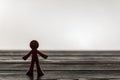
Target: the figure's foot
pixel 40 75
pixel 29 74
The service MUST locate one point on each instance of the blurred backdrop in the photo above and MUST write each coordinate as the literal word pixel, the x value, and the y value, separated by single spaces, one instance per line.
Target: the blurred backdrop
pixel 60 24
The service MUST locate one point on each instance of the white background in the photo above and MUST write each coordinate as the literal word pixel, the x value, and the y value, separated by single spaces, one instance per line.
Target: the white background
pixel 60 24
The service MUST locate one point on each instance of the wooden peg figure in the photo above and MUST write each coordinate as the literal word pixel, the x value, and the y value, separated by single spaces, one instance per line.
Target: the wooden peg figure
pixel 34 45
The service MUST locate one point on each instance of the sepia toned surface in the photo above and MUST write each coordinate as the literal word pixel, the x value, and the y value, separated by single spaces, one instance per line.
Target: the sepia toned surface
pixel 63 65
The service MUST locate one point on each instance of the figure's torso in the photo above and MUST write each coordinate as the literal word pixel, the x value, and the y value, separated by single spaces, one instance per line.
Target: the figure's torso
pixel 34 55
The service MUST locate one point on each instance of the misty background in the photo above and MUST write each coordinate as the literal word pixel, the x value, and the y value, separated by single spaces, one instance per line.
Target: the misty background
pixel 60 24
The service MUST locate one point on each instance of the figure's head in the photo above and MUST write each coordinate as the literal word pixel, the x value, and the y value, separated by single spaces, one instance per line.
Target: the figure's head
pixel 34 44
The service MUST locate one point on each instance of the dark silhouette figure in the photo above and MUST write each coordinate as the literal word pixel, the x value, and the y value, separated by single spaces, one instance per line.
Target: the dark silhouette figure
pixel 34 45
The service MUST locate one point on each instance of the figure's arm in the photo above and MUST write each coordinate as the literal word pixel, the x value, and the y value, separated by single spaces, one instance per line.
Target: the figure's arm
pixel 43 55
pixel 26 56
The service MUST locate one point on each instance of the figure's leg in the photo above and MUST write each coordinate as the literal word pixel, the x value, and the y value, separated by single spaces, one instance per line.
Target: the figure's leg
pixel 30 72
pixel 39 71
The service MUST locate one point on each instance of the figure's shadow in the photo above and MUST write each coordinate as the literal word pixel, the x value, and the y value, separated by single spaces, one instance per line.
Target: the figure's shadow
pixel 32 78
pixel 38 78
